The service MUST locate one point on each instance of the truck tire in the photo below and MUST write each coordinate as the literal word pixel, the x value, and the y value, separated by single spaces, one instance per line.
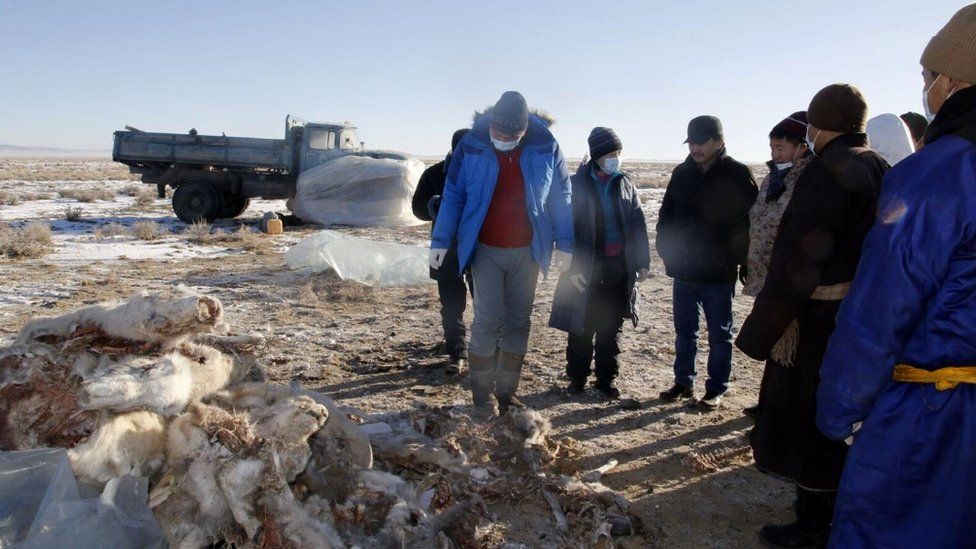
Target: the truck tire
pixel 234 205
pixel 197 201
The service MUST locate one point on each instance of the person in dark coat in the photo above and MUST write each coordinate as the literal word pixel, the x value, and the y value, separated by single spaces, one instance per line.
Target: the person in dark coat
pixel 611 254
pixel 450 283
pixel 813 261
pixel 917 124
pixel 703 238
pixel 899 376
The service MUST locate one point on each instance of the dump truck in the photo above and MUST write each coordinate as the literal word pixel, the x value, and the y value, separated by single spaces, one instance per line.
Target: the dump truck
pixel 215 176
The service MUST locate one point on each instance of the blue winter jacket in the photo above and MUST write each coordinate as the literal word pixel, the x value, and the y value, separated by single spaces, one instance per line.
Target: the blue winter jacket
pixel 471 182
pixel 910 476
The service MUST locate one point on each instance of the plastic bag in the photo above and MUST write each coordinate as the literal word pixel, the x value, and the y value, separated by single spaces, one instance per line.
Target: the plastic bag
pixel 358 190
pixel 41 506
pixel 367 261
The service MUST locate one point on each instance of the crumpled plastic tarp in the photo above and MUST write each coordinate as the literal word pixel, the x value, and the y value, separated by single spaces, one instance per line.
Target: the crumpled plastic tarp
pixel 367 261
pixel 41 505
pixel 358 190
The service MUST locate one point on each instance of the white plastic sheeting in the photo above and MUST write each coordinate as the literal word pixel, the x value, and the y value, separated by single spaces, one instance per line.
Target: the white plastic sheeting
pixel 358 190
pixel 41 506
pixel 890 138
pixel 367 261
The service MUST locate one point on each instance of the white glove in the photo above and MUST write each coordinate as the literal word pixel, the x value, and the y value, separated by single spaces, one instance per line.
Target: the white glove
pixel 642 274
pixel 857 427
pixel 436 258
pixel 561 260
pixel 579 281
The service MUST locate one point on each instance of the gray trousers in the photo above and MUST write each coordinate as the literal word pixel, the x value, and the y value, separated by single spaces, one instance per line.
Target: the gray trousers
pixel 504 291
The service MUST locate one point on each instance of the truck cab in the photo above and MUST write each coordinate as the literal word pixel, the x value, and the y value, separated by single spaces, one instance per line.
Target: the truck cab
pixel 323 141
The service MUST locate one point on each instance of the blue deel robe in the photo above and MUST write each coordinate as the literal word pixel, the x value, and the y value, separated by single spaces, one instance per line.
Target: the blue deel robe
pixel 910 475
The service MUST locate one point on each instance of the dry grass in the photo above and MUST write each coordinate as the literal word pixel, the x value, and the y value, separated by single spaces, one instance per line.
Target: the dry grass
pixel 146 230
pixel 87 195
pixel 244 238
pixel 63 169
pixel 8 198
pixel 110 229
pixel 132 190
pixel 31 240
pixel 146 198
pixel 73 214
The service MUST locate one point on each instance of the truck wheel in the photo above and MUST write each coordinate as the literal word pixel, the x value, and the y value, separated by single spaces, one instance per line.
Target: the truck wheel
pixel 234 205
pixel 196 201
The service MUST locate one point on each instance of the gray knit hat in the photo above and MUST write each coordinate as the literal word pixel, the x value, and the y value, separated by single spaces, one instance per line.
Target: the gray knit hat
pixel 952 51
pixel 511 113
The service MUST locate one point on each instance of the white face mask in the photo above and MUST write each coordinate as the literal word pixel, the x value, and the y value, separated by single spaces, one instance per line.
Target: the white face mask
pixel 504 146
pixel 610 165
pixel 929 115
pixel 810 142
pixel 784 165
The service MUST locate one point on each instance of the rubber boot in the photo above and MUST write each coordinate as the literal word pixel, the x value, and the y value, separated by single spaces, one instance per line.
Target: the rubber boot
pixel 481 373
pixel 507 377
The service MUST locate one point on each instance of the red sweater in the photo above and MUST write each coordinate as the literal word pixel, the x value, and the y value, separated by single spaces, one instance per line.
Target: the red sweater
pixel 507 222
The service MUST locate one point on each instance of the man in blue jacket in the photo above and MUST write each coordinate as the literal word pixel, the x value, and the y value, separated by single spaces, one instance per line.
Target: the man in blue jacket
pixel 507 203
pixel 901 364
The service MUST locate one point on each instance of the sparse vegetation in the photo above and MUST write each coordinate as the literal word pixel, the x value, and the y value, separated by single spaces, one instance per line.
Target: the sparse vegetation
pixel 87 195
pixel 145 197
pixel 110 229
pixel 8 198
pixel 73 213
pixel 146 230
pixel 31 240
pixel 244 237
pixel 74 169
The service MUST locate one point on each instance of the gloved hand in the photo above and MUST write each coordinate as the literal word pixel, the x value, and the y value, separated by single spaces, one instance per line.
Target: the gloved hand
pixel 642 274
pixel 434 206
pixel 436 258
pixel 743 274
pixel 579 281
pixel 857 427
pixel 561 260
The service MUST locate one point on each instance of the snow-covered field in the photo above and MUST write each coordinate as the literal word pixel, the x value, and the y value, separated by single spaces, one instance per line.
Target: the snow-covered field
pixel 378 348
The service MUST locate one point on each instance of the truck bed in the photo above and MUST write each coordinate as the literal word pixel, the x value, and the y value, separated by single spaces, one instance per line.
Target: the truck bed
pixel 137 148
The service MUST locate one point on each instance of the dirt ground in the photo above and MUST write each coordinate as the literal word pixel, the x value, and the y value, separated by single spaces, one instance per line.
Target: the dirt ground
pixel 688 473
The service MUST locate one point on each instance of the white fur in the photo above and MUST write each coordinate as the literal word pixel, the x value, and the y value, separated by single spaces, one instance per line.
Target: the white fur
pixel 152 318
pixel 165 384
pixel 131 443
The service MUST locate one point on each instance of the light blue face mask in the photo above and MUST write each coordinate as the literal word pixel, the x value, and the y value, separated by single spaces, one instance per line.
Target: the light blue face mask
pixel 504 146
pixel 610 165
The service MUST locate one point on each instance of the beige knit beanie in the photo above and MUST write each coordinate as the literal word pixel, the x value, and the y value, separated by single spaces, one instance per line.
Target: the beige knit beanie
pixel 952 51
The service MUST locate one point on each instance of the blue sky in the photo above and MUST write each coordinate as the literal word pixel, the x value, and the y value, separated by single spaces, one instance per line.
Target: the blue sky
pixel 410 73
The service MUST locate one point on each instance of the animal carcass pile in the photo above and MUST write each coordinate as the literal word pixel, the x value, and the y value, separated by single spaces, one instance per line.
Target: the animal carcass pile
pixel 159 387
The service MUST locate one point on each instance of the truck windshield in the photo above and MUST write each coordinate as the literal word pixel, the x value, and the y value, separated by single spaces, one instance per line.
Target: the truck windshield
pixel 321 139
pixel 348 139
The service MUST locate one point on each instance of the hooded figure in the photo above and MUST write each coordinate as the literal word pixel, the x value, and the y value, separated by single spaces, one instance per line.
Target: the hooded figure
pixel 889 137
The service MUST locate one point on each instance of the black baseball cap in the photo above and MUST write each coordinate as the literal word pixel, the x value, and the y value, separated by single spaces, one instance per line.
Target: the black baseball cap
pixel 702 128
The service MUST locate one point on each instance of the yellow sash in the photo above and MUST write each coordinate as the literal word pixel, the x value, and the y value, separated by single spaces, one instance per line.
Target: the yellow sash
pixel 943 378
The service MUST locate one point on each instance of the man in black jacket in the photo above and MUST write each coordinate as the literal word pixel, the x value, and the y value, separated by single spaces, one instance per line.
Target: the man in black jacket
pixel 703 238
pixel 450 283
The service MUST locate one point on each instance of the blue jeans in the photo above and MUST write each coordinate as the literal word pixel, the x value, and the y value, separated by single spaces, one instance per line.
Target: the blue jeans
pixel 716 301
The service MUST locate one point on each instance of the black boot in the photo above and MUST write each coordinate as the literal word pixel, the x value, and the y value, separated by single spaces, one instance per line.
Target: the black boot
pixel 812 526
pixel 507 377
